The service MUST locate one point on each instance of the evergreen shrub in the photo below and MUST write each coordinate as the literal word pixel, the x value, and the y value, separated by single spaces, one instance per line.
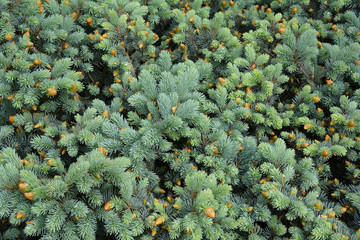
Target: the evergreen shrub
pixel 168 119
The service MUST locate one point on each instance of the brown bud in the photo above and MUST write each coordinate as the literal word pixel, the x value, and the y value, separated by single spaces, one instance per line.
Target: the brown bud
pixel 209 212
pixel 108 206
pixel 29 195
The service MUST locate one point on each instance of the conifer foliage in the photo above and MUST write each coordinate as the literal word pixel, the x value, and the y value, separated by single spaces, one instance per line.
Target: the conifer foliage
pixel 168 119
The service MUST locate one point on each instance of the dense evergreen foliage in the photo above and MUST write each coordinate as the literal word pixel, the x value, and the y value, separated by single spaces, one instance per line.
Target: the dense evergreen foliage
pixel 168 119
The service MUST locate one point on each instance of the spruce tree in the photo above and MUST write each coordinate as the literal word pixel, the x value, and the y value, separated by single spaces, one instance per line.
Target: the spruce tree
pixel 168 119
